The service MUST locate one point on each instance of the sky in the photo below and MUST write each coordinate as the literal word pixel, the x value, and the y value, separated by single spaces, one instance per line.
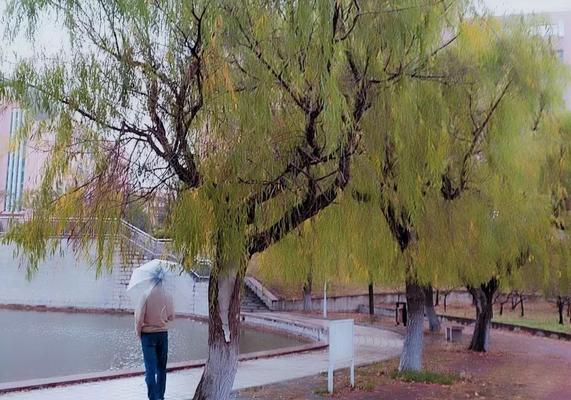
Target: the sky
pixel 51 35
pixel 500 7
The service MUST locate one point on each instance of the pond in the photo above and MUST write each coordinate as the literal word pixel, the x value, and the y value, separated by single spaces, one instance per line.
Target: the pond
pixel 51 344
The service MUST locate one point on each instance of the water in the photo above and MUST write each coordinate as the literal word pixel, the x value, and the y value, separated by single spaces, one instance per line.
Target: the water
pixel 49 344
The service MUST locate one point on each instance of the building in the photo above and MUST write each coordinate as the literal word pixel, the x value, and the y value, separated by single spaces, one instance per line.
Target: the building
pixel 559 29
pixel 20 162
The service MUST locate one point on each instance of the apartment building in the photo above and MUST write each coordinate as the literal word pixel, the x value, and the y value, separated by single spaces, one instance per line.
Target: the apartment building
pixel 21 162
pixel 559 29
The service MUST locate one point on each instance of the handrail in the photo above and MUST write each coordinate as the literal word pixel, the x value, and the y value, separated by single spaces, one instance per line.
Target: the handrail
pixel 150 245
pixel 267 297
pixel 137 233
pixel 142 232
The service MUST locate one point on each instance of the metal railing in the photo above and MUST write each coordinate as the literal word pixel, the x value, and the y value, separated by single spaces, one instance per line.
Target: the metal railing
pixel 267 297
pixel 151 246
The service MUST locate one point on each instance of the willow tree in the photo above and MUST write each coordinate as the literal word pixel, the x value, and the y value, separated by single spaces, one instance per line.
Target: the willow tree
pixel 445 150
pixel 253 111
pixel 337 248
pixel 556 176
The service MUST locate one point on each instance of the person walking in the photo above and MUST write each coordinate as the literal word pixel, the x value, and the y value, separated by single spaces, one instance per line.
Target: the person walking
pixel 152 318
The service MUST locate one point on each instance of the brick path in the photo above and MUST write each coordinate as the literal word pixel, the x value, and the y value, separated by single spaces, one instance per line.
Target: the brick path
pixel 371 345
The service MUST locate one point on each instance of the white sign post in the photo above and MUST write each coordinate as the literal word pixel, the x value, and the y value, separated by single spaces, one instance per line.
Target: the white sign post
pixel 341 349
pixel 325 300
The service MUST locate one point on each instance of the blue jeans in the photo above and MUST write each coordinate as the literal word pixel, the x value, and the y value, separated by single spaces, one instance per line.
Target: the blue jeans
pixel 155 351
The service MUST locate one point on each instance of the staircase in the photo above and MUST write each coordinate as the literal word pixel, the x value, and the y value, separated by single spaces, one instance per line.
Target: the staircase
pixel 251 302
pixel 150 247
pixel 136 247
pixel 130 256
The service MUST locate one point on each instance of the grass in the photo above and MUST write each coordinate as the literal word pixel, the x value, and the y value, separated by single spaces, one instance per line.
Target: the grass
pixel 540 315
pixel 548 324
pixel 425 377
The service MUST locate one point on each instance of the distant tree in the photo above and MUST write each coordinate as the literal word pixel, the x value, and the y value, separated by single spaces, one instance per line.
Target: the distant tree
pixel 450 185
pixel 557 179
pixel 137 216
pixel 502 299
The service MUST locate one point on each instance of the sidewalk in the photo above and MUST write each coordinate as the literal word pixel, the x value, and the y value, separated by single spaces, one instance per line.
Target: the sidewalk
pixel 371 345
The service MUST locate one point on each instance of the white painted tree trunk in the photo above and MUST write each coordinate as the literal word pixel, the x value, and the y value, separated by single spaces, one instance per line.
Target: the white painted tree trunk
pixel 325 300
pixel 411 356
pixel 223 333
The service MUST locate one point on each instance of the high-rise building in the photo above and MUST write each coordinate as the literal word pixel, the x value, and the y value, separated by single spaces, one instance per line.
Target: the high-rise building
pixel 559 29
pixel 20 161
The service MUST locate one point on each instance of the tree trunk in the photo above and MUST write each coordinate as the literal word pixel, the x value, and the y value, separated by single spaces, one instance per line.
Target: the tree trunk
pixel 514 304
pixel 223 331
pixel 437 300
pixel 307 289
pixel 371 299
pixel 433 320
pixel 411 356
pixel 445 296
pixel 501 308
pixel 560 309
pixel 521 305
pixel 483 297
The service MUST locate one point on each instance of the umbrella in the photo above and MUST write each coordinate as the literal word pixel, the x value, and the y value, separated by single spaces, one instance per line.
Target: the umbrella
pixel 149 275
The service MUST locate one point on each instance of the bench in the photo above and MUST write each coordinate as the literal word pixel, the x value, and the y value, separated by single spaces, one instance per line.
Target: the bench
pixel 454 333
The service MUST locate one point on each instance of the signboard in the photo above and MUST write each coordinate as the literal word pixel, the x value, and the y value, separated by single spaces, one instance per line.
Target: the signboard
pixel 341 349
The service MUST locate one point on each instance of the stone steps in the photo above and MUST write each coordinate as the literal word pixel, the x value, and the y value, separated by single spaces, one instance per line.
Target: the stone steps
pixel 251 302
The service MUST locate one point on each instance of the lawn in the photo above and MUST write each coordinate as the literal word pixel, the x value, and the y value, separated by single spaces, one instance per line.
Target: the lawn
pixel 550 324
pixel 537 314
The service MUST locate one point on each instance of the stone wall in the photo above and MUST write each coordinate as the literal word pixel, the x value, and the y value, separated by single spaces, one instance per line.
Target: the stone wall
pixel 66 281
pixel 353 302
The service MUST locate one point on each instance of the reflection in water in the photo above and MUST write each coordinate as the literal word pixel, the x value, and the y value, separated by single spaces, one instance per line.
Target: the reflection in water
pixel 47 344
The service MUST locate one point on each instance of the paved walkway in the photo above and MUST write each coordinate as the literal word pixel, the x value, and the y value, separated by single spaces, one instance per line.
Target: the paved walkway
pixel 371 345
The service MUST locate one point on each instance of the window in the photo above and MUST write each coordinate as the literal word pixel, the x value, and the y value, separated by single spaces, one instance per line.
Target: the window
pixel 550 30
pixel 560 54
pixel 16 163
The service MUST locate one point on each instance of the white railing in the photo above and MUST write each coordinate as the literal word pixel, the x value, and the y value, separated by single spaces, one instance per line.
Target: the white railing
pixel 149 245
pixel 267 297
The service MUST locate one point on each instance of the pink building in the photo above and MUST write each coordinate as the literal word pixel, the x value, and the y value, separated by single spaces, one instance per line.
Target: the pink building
pixel 20 163
pixel 560 31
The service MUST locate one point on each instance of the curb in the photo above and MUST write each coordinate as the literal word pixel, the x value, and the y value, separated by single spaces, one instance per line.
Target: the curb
pixel 36 384
pixel 385 311
pixel 511 327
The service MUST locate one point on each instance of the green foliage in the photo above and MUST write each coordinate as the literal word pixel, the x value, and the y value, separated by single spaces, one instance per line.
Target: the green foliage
pixel 136 215
pixel 482 115
pixel 340 245
pixel 450 123
pixel 228 99
pixel 555 178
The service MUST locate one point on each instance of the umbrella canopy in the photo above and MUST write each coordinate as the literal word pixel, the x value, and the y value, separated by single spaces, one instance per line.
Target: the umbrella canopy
pixel 147 276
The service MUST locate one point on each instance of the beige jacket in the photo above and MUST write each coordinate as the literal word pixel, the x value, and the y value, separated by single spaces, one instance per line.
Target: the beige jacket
pixel 156 312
